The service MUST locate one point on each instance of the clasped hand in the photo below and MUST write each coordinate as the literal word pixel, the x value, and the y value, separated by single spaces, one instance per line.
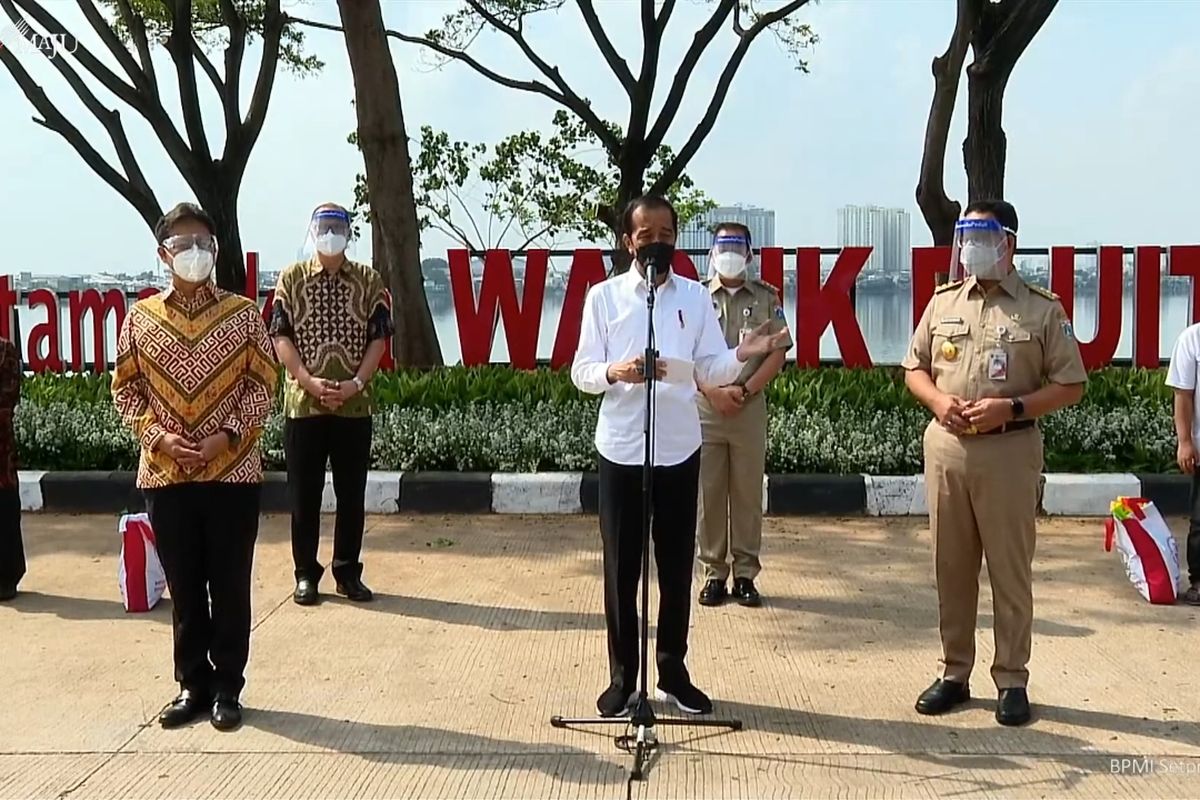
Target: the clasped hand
pixel 193 455
pixel 960 416
pixel 331 394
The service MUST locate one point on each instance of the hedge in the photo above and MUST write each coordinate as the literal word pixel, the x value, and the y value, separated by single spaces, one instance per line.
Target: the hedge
pixel 828 420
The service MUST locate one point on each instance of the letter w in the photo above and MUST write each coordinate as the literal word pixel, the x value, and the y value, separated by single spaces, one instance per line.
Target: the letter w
pixel 498 300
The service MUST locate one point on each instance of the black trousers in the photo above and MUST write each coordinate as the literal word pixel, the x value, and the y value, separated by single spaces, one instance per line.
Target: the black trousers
pixel 1193 539
pixel 345 443
pixel 205 534
pixel 674 536
pixel 12 552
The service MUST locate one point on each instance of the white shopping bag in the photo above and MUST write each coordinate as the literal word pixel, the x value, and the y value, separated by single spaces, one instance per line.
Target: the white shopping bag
pixel 140 572
pixel 1146 546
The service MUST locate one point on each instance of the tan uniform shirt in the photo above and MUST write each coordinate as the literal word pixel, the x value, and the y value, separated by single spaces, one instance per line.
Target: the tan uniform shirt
pixel 743 310
pixel 1006 343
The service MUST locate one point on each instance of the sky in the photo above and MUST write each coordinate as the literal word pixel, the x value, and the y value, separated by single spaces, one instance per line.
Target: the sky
pixel 1102 116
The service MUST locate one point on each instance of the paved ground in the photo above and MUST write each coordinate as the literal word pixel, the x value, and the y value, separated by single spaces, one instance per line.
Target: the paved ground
pixel 487 626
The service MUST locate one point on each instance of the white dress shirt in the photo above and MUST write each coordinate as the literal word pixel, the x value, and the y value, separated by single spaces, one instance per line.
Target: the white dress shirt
pixel 614 329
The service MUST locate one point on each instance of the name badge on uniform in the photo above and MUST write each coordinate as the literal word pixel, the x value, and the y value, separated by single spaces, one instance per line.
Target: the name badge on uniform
pixel 997 365
pixel 745 331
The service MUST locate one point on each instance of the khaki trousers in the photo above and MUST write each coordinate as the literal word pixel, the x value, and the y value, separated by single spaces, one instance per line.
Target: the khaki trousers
pixel 983 496
pixel 732 461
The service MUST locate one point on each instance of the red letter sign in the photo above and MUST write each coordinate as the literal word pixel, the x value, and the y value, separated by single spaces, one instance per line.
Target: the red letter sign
pixel 587 269
pixel 770 268
pixel 47 330
pixel 498 300
pixel 91 300
pixel 1147 272
pixel 927 262
pixel 1184 259
pixel 819 306
pixel 8 310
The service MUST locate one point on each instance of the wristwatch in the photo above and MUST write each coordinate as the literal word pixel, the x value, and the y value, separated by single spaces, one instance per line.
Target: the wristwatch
pixel 1018 407
pixel 745 392
pixel 232 434
pixel 358 382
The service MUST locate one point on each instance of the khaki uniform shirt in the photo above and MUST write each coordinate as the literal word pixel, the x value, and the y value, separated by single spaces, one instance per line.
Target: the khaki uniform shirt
pixel 1005 343
pixel 743 310
pixel 331 318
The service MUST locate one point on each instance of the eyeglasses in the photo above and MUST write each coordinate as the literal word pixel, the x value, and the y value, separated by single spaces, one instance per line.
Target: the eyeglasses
pixel 186 241
pixel 323 226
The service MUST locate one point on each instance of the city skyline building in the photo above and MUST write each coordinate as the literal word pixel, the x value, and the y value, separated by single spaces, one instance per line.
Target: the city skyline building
pixel 888 231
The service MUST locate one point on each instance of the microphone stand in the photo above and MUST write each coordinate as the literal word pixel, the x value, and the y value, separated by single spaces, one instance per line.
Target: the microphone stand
pixel 642 720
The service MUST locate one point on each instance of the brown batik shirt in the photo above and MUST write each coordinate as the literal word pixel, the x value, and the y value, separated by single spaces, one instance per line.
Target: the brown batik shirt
pixel 331 318
pixel 10 395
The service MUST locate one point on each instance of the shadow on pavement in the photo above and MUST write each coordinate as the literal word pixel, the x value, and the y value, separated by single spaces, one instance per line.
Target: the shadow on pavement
pixel 417 744
pixel 86 608
pixel 492 618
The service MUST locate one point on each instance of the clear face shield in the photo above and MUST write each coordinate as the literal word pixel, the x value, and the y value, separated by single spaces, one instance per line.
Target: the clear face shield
pixel 729 257
pixel 328 233
pixel 980 248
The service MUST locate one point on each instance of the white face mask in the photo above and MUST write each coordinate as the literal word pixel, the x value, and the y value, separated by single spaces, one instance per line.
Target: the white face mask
pixel 729 265
pixel 193 266
pixel 982 261
pixel 331 244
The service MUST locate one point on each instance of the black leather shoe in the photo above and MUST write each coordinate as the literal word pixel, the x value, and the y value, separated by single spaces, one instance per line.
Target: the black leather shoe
pixel 942 696
pixel 1013 707
pixel 306 592
pixel 226 713
pixel 615 701
pixel 746 594
pixel 354 589
pixel 686 697
pixel 7 592
pixel 713 593
pixel 186 707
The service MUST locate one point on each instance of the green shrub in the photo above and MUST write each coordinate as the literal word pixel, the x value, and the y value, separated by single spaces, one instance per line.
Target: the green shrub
pixel 825 420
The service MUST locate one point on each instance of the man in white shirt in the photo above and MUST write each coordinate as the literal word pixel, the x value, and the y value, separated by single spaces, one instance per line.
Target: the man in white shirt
pixel 1181 376
pixel 609 360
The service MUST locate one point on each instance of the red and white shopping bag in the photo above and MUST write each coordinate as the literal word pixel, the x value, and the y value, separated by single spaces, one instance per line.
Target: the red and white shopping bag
pixel 140 572
pixel 1146 546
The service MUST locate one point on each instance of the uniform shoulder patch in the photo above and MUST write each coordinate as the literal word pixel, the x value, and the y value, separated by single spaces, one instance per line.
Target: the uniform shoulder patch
pixel 1046 293
pixel 766 285
pixel 945 287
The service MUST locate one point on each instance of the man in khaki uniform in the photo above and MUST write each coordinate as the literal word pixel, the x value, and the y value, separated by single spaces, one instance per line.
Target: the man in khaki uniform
pixel 733 422
pixel 990 356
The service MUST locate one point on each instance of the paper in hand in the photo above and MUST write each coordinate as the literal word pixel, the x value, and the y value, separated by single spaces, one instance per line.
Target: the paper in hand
pixel 679 371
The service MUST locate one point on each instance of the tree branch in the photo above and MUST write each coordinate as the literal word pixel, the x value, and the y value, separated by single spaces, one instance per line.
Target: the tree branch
pixel 86 59
pixel 113 42
pixel 209 68
pixel 664 15
pixel 136 191
pixel 639 101
pixel 618 65
pixel 700 42
pixel 673 171
pixel 1020 20
pixel 577 104
pixel 573 104
pixel 274 23
pixel 535 237
pixel 137 31
pixel 180 45
pixel 937 208
pixel 234 53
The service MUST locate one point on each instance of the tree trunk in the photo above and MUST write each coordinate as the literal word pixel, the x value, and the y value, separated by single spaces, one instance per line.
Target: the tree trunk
pixel 221 203
pixel 986 146
pixel 629 187
pixel 939 211
pixel 384 144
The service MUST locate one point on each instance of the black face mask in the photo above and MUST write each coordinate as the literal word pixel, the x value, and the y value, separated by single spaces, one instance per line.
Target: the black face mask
pixel 656 257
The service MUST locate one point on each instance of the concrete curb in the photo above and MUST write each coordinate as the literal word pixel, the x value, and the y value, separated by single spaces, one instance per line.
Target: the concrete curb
pixel 578 493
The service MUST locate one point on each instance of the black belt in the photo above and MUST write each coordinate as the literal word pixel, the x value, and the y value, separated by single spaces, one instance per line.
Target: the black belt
pixel 1009 427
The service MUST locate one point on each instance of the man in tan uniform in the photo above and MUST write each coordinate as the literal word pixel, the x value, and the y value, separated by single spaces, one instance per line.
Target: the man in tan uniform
pixel 733 422
pixel 990 356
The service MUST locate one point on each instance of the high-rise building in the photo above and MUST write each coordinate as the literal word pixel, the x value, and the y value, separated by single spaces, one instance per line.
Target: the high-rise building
pixel 886 230
pixel 698 233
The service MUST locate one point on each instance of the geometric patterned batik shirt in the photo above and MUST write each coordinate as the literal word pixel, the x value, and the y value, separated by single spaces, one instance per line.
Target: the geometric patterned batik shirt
pixel 330 317
pixel 193 366
pixel 10 395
